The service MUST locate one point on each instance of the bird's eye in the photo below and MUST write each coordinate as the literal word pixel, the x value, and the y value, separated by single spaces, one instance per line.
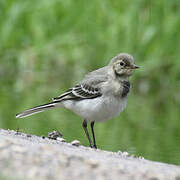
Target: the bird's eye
pixel 121 63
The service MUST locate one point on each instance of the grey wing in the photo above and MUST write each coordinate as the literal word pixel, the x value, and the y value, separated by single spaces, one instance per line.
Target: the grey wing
pixel 79 92
pixel 89 88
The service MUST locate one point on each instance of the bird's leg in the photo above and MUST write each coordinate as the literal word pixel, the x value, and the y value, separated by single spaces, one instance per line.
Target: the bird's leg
pixel 84 125
pixel 94 140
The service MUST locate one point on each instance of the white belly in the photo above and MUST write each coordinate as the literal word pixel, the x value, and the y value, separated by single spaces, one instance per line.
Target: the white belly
pixel 97 109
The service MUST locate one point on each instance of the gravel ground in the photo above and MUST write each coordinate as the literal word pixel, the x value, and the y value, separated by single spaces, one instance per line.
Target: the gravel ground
pixel 24 156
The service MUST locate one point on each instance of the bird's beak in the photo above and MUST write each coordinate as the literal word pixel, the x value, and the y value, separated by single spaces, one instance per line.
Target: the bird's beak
pixel 135 66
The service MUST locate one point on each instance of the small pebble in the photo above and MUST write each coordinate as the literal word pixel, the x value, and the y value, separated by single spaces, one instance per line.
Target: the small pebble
pixel 61 139
pixel 141 157
pixel 75 143
pixel 17 132
pixel 125 154
pixel 93 163
pixel 28 135
pixel 54 135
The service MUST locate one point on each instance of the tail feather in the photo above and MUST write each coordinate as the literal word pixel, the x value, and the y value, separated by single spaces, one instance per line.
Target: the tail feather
pixel 36 109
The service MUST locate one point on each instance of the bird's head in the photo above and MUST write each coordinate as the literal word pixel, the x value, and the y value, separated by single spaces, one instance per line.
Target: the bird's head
pixel 123 64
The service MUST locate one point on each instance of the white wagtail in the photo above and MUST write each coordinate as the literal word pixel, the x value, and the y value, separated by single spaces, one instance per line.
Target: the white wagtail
pixel 101 95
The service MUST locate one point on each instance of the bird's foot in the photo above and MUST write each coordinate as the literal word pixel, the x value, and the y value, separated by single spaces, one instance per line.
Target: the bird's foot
pixel 93 146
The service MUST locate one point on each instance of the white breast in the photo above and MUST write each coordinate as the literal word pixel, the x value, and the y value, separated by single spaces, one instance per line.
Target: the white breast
pixel 97 109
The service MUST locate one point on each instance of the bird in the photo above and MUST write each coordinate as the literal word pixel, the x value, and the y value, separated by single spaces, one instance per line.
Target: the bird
pixel 101 95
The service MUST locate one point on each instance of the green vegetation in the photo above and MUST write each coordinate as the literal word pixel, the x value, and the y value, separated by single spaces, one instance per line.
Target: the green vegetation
pixel 47 46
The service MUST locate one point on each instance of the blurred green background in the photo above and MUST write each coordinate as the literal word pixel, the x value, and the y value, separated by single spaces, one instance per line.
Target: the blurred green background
pixel 47 46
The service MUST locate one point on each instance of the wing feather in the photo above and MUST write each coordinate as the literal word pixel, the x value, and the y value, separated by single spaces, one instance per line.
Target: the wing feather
pixel 82 91
pixel 89 87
